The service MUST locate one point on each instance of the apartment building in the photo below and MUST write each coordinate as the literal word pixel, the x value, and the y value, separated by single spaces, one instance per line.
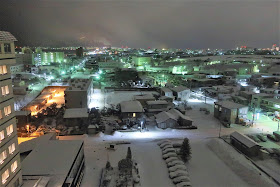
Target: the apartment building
pixel 10 167
pixel 79 93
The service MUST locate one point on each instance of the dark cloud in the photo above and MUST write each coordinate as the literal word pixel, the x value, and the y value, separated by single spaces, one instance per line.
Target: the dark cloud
pixel 148 23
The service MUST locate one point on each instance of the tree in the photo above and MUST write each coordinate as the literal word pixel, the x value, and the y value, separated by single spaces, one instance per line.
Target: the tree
pixel 108 165
pixel 128 156
pixel 185 150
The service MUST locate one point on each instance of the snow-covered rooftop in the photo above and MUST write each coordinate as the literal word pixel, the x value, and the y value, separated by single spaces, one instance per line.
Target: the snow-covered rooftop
pixel 31 144
pixel 76 113
pixel 163 116
pixel 146 96
pixel 229 104
pixel 52 158
pixel 248 142
pixel 164 89
pixel 79 85
pixel 6 36
pixel 131 106
pixel 179 88
pixel 158 102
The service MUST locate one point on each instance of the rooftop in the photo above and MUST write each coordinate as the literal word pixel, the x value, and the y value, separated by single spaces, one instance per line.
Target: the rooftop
pixel 6 36
pixel 244 139
pixel 79 84
pixel 52 158
pixel 179 88
pixel 158 102
pixel 131 106
pixel 230 104
pixel 76 113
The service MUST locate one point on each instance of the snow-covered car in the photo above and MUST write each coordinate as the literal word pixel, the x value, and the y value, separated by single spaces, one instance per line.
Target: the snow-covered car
pixel 171 159
pixel 276 151
pixel 168 150
pixel 254 137
pixel 177 167
pixel 181 179
pixel 175 162
pixel 163 141
pixel 167 147
pixel 178 173
pixel 165 144
pixel 169 155
pixel 262 137
pixel 183 184
pixel 269 150
pixel 272 137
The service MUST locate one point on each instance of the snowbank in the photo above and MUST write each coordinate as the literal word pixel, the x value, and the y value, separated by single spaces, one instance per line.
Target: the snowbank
pixel 239 164
pixel 100 134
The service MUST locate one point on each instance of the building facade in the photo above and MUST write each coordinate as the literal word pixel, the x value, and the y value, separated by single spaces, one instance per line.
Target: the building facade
pixel 10 167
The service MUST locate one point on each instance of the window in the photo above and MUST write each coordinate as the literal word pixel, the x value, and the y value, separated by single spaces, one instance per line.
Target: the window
pixel 7 110
pixel 14 166
pixel 12 148
pixel 5 176
pixel 7 48
pixel 10 130
pixel 134 115
pixel 1 114
pixel 2 135
pixel 3 156
pixel 3 70
pixel 5 90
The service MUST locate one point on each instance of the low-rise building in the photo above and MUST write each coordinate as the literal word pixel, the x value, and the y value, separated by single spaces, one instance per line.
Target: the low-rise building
pixel 166 92
pixel 76 117
pixel 53 163
pixel 144 98
pixel 229 111
pixel 181 93
pixel 131 109
pixel 244 144
pixel 79 93
pixel 157 106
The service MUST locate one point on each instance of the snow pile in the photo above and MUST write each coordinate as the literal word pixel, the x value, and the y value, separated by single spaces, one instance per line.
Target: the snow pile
pixel 239 164
pixel 100 134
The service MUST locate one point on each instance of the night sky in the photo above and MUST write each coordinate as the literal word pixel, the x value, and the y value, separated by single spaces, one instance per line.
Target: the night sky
pixel 143 23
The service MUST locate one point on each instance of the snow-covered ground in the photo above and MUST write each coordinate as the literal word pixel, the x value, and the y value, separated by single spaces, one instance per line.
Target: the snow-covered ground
pixel 206 168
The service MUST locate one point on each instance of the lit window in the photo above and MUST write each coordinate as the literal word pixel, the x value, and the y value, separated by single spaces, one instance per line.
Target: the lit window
pixel 5 90
pixel 1 114
pixel 5 176
pixel 7 48
pixel 3 69
pixel 2 135
pixel 10 130
pixel 12 148
pixel 14 166
pixel 134 115
pixel 220 109
pixel 7 110
pixel 3 156
pixel 216 106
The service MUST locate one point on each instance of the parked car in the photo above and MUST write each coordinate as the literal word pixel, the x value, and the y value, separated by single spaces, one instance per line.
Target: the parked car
pixel 263 138
pixel 169 155
pixel 276 151
pixel 181 179
pixel 183 184
pixel 254 137
pixel 272 137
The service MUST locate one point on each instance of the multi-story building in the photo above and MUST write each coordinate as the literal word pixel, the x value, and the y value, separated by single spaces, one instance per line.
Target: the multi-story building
pixel 45 58
pixel 79 93
pixel 10 168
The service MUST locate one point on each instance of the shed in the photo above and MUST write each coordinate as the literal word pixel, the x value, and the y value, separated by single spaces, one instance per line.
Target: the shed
pixel 243 143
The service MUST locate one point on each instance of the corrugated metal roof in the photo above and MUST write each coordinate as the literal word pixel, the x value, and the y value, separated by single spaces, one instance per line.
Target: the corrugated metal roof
pixel 244 139
pixel 6 36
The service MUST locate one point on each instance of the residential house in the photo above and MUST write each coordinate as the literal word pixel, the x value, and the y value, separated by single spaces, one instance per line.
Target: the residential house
pixel 229 111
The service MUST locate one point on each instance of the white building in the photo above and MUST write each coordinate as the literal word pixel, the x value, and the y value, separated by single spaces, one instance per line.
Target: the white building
pixel 79 93
pixel 10 168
